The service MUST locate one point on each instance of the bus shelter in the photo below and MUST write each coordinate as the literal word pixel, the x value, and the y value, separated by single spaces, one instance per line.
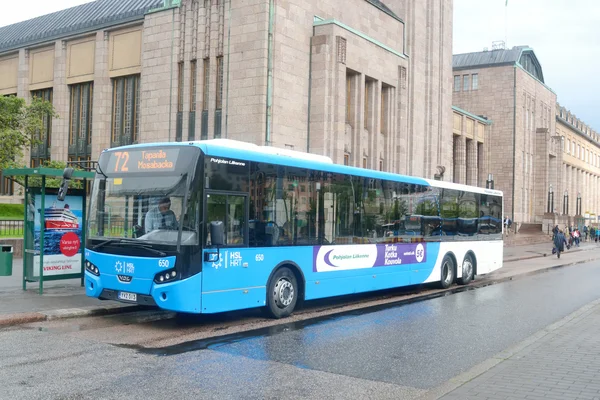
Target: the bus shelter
pixel 54 224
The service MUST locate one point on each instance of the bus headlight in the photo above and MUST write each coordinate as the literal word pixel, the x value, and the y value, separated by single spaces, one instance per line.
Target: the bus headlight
pixel 91 268
pixel 166 276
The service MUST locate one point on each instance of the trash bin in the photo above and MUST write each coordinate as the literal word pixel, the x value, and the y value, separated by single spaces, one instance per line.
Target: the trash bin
pixel 6 259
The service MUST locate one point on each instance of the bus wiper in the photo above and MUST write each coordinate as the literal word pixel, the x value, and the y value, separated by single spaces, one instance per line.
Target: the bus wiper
pixel 133 243
pixel 102 244
pixel 147 247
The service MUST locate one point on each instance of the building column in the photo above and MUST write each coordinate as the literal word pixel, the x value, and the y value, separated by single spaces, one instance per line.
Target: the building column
pixel 103 99
pixel 460 159
pixel 568 188
pixel 60 101
pixel 482 165
pixel 471 163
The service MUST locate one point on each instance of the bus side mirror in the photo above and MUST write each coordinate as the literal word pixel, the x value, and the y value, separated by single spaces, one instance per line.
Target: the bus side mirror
pixel 64 185
pixel 68 173
pixel 217 233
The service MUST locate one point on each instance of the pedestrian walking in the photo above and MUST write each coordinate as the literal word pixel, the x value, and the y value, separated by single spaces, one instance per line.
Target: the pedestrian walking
pixel 507 224
pixel 585 233
pixel 555 231
pixel 559 243
pixel 576 236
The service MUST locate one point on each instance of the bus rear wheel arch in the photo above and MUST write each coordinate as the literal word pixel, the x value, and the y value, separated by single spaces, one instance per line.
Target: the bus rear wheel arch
pixel 284 291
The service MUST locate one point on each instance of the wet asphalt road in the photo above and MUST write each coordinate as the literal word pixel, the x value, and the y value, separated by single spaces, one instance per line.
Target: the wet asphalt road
pixel 398 352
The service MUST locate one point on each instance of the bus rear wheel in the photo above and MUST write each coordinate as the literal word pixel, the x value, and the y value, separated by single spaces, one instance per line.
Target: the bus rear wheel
pixel 468 270
pixel 282 293
pixel 447 272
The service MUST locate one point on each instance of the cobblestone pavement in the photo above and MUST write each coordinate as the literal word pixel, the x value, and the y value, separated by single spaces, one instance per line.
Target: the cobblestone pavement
pixel 561 362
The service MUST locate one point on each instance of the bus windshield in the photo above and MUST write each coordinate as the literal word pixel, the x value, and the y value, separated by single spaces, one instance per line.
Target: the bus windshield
pixel 146 208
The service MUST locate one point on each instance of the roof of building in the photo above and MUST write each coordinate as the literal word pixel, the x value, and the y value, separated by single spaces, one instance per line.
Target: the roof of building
pixel 522 56
pixel 379 4
pixel 72 21
pixel 488 57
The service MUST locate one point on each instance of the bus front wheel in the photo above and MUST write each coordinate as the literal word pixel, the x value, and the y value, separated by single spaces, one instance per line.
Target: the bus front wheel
pixel 282 293
pixel 447 272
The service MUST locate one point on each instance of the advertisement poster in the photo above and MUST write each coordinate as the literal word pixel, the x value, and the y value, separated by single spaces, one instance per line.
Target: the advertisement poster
pixel 339 258
pixel 62 228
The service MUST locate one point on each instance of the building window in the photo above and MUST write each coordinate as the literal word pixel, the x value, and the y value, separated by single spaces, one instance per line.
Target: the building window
pixel 465 83
pixel 80 120
pixel 219 98
pixel 40 151
pixel 457 83
pixel 192 117
pixel 568 148
pixel 346 159
pixel 7 187
pixel 381 165
pixel 125 110
pixel 367 101
pixel 219 83
pixel 385 108
pixel 475 81
pixel 349 113
pixel 206 88
pixel 180 85
pixel 364 162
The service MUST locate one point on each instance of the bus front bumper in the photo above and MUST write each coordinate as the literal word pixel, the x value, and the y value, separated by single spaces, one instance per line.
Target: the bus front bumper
pixel 180 296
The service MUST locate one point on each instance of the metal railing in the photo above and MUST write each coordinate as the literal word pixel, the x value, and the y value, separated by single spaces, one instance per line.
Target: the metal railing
pixel 11 228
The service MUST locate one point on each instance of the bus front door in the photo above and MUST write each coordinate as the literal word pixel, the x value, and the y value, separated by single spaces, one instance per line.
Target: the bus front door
pixel 230 280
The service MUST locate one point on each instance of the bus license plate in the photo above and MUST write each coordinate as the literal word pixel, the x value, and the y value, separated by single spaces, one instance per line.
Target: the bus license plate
pixel 127 296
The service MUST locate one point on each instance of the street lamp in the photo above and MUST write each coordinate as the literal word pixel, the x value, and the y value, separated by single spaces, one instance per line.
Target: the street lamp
pixel 578 205
pixel 550 199
pixel 566 203
pixel 489 184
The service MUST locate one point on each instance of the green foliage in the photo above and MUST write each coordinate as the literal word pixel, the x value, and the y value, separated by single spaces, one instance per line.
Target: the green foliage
pixel 399 210
pixel 11 211
pixel 19 125
pixel 427 208
pixel 36 181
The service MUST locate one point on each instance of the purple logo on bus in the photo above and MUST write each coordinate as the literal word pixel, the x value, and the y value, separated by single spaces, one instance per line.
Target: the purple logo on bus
pixel 337 258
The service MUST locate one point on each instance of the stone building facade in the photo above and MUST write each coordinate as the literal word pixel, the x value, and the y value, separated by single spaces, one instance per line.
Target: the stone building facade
pixel 472 145
pixel 507 86
pixel 579 173
pixel 366 84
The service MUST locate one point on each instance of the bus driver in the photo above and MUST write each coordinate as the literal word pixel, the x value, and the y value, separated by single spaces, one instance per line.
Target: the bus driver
pixel 161 217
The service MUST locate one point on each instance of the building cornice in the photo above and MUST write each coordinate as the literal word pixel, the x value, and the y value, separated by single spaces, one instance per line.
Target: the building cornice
pixel 480 119
pixel 577 131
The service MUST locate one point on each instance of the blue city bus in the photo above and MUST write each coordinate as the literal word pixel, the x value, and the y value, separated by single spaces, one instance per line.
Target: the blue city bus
pixel 220 225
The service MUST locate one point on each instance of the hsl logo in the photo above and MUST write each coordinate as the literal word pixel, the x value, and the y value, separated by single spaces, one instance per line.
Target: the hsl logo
pixel 124 267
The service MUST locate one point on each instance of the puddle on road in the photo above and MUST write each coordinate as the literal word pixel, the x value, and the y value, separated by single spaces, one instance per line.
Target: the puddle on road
pixel 223 340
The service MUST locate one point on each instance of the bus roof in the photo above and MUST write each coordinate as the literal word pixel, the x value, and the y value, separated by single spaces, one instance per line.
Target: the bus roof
pixel 466 188
pixel 268 154
pixel 252 152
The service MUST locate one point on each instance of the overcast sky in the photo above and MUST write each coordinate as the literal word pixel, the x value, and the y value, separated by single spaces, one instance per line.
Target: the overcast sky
pixel 565 35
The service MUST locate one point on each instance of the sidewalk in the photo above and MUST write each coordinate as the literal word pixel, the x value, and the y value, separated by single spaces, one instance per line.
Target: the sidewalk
pixel 65 299
pixel 559 362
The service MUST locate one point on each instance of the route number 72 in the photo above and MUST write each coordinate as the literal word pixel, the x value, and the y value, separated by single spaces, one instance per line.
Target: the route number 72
pixel 122 156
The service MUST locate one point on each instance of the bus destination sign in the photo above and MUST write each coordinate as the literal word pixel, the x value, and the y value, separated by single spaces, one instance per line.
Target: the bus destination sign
pixel 148 160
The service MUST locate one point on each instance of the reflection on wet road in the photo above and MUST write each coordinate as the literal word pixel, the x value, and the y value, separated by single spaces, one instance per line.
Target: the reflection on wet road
pixel 395 352
pixel 426 343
